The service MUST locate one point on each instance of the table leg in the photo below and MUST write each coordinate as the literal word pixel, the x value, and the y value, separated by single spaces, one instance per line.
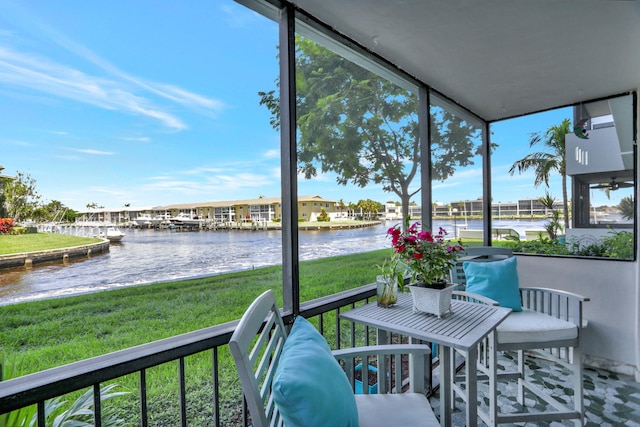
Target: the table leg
pixel 471 375
pixel 493 378
pixel 445 384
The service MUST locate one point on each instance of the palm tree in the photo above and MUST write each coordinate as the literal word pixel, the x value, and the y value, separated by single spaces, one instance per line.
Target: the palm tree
pixel 553 227
pixel 626 207
pixel 544 163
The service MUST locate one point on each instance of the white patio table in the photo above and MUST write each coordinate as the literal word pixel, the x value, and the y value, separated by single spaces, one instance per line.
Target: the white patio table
pixel 463 330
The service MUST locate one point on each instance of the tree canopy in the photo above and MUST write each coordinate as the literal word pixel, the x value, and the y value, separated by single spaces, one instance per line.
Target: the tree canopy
pixel 20 201
pixel 364 128
pixel 20 197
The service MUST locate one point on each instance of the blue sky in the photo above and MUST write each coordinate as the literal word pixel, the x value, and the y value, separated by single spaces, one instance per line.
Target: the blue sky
pixel 155 102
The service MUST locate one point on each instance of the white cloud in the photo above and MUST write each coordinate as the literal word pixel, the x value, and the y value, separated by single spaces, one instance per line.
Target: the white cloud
pixel 210 184
pixel 272 154
pixel 240 16
pixel 67 157
pixel 117 90
pixel 18 143
pixel 136 138
pixel 95 152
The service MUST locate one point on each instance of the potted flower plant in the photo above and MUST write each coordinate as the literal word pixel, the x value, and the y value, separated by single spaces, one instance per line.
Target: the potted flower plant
pixel 429 257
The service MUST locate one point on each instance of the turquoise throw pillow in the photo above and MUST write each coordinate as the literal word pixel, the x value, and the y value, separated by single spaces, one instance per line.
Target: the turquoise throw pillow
pixel 497 280
pixel 310 388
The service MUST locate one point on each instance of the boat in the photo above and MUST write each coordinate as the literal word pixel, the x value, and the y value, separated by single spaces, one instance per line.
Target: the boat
pixel 147 220
pixel 113 234
pixel 184 219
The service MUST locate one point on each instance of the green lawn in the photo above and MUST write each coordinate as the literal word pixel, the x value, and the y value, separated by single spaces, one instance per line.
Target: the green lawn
pixel 12 244
pixel 42 334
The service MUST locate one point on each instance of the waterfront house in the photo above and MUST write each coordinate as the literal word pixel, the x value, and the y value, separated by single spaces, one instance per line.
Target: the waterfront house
pixel 484 61
pixel 260 209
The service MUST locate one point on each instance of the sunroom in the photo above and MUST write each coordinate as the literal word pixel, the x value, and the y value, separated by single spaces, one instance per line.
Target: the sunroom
pixel 419 98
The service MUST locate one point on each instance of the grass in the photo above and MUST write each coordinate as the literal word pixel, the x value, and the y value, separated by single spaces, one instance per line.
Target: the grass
pixel 15 244
pixel 43 334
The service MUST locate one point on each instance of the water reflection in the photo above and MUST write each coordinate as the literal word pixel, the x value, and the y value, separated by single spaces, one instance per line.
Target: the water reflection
pixel 147 256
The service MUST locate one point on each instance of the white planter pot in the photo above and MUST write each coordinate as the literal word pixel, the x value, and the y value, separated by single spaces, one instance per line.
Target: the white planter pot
pixel 432 301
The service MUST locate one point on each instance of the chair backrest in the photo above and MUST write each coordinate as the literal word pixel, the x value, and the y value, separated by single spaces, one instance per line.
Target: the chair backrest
pixel 257 358
pixel 477 254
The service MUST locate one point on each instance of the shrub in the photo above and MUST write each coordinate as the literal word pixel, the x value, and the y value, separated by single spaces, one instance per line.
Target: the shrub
pixel 619 244
pixel 544 246
pixel 323 217
pixel 6 225
pixel 18 230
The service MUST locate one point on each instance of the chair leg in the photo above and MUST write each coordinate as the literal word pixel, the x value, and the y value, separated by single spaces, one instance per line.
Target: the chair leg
pixel 521 368
pixel 578 384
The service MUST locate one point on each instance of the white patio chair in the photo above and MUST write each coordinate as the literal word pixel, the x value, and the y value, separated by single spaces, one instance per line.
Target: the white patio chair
pixel 549 326
pixel 295 380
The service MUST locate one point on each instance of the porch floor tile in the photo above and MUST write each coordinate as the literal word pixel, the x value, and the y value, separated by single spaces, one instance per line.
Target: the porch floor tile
pixel 610 399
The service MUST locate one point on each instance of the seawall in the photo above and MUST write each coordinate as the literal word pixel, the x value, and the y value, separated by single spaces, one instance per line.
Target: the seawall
pixel 27 259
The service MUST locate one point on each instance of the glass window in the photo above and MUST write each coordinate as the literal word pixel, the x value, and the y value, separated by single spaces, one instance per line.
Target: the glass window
pixel 456 168
pixel 563 180
pixel 358 148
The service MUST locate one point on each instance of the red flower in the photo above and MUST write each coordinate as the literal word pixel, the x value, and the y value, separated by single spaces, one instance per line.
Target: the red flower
pixel 427 254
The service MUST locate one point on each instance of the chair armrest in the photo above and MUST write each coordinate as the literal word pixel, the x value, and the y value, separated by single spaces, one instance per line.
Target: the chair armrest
pixel 351 357
pixel 471 297
pixel 560 304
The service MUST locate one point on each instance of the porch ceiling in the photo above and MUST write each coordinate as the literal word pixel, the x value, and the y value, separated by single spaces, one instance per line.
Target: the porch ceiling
pixel 500 58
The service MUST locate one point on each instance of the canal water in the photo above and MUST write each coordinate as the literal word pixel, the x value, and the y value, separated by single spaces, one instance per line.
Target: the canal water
pixel 148 256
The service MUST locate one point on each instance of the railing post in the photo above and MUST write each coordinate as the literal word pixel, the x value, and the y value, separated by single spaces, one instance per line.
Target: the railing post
pixel 97 406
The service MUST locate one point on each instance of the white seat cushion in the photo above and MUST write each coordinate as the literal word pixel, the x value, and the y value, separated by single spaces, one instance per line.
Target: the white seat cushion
pixel 529 326
pixel 388 410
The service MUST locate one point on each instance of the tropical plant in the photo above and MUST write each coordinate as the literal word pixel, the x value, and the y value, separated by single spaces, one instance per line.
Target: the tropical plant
pixel 541 246
pixel 392 270
pixel 619 244
pixel 428 255
pixel 390 280
pixel 79 414
pixel 553 227
pixel 370 208
pixel 323 216
pixel 626 207
pixel 544 162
